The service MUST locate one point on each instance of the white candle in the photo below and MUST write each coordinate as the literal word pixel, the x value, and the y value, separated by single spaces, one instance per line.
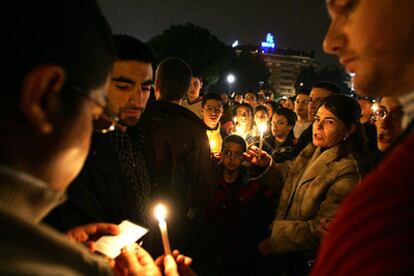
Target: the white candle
pixel 160 214
pixel 262 129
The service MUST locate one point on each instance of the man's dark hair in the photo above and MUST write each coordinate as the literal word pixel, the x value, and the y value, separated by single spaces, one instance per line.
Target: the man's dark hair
pixel 303 90
pixel 174 77
pixel 327 85
pixel 46 32
pixel 261 108
pixel 129 48
pixel 235 139
pixel 211 96
pixel 290 116
pixel 197 74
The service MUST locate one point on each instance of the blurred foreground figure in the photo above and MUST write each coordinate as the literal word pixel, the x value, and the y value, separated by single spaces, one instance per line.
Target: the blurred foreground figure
pixel 372 233
pixel 56 84
pixel 55 90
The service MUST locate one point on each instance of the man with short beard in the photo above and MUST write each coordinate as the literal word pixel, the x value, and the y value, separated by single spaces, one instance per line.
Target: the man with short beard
pixel 114 183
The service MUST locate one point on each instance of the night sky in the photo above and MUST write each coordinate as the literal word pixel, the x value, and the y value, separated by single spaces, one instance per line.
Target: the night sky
pixel 296 24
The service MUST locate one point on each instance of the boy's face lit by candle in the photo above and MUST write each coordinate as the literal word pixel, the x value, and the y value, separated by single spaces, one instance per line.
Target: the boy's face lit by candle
pixel 232 156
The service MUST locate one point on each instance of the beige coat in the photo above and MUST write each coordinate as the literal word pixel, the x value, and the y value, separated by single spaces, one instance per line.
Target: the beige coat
pixel 311 187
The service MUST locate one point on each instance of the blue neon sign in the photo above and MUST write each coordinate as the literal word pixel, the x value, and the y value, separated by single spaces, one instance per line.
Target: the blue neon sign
pixel 269 45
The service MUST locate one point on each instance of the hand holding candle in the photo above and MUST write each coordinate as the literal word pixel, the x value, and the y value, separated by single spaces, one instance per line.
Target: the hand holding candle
pixel 160 214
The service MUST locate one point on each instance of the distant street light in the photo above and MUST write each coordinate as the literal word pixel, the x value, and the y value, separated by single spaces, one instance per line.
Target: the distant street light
pixel 230 80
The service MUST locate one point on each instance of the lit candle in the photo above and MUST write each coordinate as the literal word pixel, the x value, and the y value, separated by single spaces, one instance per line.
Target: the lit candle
pixel 235 120
pixel 375 107
pixel 160 214
pixel 262 129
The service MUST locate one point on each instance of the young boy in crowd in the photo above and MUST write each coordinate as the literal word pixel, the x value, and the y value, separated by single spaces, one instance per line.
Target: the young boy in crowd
pixel 282 141
pixel 237 217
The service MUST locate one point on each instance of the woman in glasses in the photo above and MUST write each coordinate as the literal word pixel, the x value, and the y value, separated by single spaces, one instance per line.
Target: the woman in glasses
pixel 237 217
pixel 311 186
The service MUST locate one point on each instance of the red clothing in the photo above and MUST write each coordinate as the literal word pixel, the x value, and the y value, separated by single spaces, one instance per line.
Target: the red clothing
pixel 373 232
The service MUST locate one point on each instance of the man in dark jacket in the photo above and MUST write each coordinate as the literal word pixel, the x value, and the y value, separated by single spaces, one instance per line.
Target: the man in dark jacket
pixel 177 152
pixel 114 184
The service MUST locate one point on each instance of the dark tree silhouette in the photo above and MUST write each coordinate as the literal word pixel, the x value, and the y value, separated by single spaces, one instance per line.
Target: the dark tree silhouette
pixel 196 45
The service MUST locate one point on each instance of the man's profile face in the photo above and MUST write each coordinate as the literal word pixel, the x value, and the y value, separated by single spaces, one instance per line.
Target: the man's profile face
pixel 129 90
pixel 373 39
pixel 76 137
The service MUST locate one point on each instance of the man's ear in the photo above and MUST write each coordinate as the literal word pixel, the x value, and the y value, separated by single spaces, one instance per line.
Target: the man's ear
pixel 37 95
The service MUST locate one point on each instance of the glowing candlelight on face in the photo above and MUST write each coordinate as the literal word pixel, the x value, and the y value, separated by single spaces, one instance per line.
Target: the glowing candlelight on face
pixel 262 129
pixel 240 131
pixel 375 107
pixel 160 214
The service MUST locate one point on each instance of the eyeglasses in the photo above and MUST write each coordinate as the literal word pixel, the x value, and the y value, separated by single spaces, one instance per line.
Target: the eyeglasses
pixel 105 123
pixel 229 154
pixel 381 113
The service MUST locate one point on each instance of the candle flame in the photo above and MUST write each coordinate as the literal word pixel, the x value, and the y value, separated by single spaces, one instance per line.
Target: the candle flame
pixel 160 212
pixel 212 144
pixel 375 107
pixel 262 128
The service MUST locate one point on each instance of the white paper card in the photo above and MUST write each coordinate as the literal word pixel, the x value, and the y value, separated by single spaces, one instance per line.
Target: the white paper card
pixel 111 246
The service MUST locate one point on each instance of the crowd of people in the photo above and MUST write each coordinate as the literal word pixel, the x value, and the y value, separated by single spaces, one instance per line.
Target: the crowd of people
pixel 318 182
